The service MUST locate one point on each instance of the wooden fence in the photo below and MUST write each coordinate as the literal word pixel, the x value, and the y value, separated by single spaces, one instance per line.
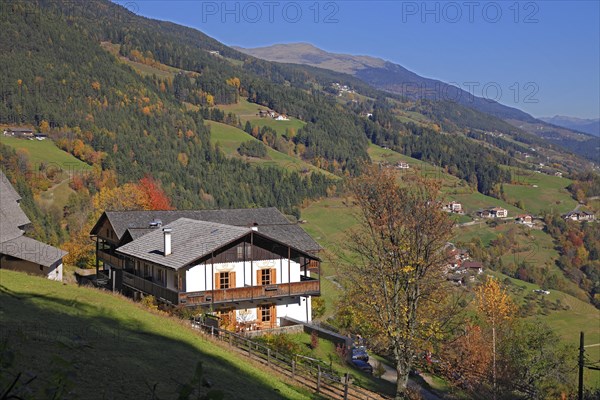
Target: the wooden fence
pixel 309 372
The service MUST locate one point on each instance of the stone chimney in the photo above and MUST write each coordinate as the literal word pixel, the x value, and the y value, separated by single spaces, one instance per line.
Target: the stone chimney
pixel 167 236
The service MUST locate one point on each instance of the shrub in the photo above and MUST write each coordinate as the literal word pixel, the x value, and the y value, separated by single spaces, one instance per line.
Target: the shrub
pixel 149 302
pixel 318 307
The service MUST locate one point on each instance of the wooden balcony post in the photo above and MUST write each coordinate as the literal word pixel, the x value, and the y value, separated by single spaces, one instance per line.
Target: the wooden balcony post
pixel 289 270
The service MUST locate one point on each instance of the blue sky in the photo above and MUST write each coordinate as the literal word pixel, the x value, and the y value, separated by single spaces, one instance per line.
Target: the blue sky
pixel 540 56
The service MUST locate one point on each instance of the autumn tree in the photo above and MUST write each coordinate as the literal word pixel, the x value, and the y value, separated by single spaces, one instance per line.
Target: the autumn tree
pixel 393 265
pixel 156 199
pixel 467 358
pixel 497 308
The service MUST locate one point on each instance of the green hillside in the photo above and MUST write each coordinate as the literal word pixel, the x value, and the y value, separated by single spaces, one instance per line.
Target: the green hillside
pixel 105 346
pixel 229 139
pixel 328 220
pixel 568 319
pixel 249 112
pixel 45 151
pixel 539 191
pixel 454 188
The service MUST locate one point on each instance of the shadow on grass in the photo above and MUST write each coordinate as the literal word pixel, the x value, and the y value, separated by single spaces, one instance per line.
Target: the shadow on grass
pixel 101 355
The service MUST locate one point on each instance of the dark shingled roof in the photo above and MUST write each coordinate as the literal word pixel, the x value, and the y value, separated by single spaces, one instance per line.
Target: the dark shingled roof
pixel 12 241
pixel 269 221
pixel 11 215
pixel 32 250
pixel 190 240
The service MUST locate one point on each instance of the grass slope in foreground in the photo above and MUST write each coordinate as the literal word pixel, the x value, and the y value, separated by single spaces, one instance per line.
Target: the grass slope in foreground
pixel 114 348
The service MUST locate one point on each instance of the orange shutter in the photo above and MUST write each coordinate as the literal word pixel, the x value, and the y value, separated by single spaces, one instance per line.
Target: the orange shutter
pixel 273 276
pixel 217 283
pixel 273 322
pixel 258 281
pixel 232 283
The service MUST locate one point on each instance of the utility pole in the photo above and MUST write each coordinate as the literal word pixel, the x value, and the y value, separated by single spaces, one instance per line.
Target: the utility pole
pixel 580 391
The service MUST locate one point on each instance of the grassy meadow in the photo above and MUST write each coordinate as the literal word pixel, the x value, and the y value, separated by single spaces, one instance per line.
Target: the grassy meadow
pixel 83 336
pixel 45 151
pixel 229 139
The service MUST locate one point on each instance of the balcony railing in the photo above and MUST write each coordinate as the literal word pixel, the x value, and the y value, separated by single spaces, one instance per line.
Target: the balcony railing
pixel 149 287
pixel 221 296
pixel 309 287
pixel 110 259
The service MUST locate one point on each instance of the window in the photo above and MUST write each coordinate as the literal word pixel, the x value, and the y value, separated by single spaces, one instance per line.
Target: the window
pixel 240 252
pixel 265 277
pixel 265 313
pixel 146 270
pixel 224 280
pixel 162 275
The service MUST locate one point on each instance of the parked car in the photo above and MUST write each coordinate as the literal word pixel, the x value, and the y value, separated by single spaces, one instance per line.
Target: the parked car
pixel 363 366
pixel 360 353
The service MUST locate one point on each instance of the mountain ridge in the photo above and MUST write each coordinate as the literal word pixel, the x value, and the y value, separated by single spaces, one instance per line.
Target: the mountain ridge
pixel 584 125
pixel 383 74
pixel 394 78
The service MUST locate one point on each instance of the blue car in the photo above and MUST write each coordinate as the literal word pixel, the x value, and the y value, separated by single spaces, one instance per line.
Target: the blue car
pixel 360 353
pixel 363 366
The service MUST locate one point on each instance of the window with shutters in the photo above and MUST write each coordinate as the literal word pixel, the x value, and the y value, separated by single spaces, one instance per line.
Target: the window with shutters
pixel 265 277
pixel 265 313
pixel 224 280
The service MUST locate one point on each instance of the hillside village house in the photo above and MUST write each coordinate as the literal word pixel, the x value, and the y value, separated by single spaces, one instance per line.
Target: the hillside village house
pixel 524 219
pixel 579 216
pixel 19 132
pixel 496 212
pixel 453 206
pixel 18 252
pixel 248 266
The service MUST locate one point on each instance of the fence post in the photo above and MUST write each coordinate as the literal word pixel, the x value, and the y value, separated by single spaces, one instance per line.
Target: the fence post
pixel 249 345
pixel 269 357
pixel 231 340
pixel 293 369
pixel 212 331
pixel 319 379
pixel 346 379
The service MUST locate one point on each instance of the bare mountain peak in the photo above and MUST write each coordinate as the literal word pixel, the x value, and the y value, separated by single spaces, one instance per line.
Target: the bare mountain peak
pixel 308 54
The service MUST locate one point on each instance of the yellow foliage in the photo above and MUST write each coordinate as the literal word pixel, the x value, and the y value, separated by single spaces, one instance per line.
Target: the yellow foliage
pixel 493 302
pixel 210 100
pixel 44 126
pixel 183 159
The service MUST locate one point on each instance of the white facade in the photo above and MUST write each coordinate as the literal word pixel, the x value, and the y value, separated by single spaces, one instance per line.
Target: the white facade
pixel 200 278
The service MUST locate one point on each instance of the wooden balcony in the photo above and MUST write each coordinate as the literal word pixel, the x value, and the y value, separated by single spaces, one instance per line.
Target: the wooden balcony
pixel 148 287
pixel 224 296
pixel 110 259
pixel 309 287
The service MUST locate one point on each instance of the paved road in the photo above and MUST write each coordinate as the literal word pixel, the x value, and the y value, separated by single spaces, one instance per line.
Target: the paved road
pixel 390 376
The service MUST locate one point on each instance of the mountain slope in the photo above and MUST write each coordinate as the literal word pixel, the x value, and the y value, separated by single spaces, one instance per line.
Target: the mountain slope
pixel 591 126
pixel 383 75
pixel 396 79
